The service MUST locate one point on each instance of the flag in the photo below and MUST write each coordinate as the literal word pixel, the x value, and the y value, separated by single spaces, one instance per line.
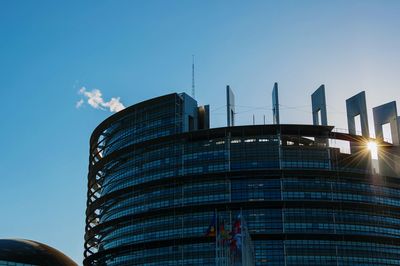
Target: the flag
pixel 212 228
pixel 224 235
pixel 236 242
pixel 223 238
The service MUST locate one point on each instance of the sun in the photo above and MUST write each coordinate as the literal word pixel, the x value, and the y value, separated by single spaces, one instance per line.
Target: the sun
pixel 373 148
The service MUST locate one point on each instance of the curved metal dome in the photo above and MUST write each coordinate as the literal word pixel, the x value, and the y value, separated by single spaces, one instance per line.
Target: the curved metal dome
pixel 32 252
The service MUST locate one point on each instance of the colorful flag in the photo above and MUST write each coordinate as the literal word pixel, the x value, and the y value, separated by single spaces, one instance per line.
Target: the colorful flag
pixel 236 228
pixel 236 241
pixel 212 228
pixel 224 235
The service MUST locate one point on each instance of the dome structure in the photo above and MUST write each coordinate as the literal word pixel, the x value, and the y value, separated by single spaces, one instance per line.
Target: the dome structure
pixel 28 252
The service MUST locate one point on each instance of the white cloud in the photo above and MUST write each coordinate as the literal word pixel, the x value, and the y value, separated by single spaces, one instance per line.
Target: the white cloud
pixel 79 103
pixel 115 105
pixel 95 99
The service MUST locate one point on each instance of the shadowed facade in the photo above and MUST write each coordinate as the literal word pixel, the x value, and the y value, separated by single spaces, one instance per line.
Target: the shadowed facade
pixel 154 184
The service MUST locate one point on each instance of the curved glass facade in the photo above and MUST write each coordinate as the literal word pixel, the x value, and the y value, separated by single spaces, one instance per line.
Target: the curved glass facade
pixel 154 185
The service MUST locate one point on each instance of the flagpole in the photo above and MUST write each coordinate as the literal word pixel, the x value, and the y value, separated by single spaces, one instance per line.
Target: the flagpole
pixel 230 226
pixel 242 238
pixel 216 237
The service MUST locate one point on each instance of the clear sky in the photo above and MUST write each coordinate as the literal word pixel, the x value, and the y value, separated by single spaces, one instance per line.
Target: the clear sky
pixel 136 50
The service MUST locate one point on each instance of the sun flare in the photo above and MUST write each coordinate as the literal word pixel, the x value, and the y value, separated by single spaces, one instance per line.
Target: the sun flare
pixel 373 148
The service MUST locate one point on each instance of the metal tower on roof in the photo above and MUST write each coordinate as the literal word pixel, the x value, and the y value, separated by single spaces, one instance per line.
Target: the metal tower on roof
pixel 275 104
pixel 193 88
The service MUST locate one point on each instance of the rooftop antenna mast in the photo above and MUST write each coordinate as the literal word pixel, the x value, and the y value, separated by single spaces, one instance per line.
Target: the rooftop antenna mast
pixel 193 88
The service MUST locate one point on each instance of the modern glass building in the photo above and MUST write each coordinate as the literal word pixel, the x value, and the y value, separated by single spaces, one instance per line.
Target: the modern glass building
pixel 158 173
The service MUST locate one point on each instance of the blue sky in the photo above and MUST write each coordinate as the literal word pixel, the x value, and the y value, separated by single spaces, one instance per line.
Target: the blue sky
pixel 136 50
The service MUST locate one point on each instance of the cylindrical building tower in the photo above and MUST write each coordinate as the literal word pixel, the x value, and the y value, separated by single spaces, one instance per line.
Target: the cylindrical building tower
pixel 157 175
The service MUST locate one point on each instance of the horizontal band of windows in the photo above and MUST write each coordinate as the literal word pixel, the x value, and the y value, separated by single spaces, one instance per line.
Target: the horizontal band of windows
pixel 301 185
pixel 91 232
pixel 286 237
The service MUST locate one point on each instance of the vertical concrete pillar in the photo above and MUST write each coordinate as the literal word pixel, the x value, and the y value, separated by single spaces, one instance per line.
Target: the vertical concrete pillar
pixel 383 114
pixel 275 104
pixel 318 103
pixel 389 162
pixel 230 107
pixel 355 106
pixel 319 106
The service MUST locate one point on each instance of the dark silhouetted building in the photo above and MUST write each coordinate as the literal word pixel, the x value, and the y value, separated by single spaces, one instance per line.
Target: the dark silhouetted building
pixel 157 174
